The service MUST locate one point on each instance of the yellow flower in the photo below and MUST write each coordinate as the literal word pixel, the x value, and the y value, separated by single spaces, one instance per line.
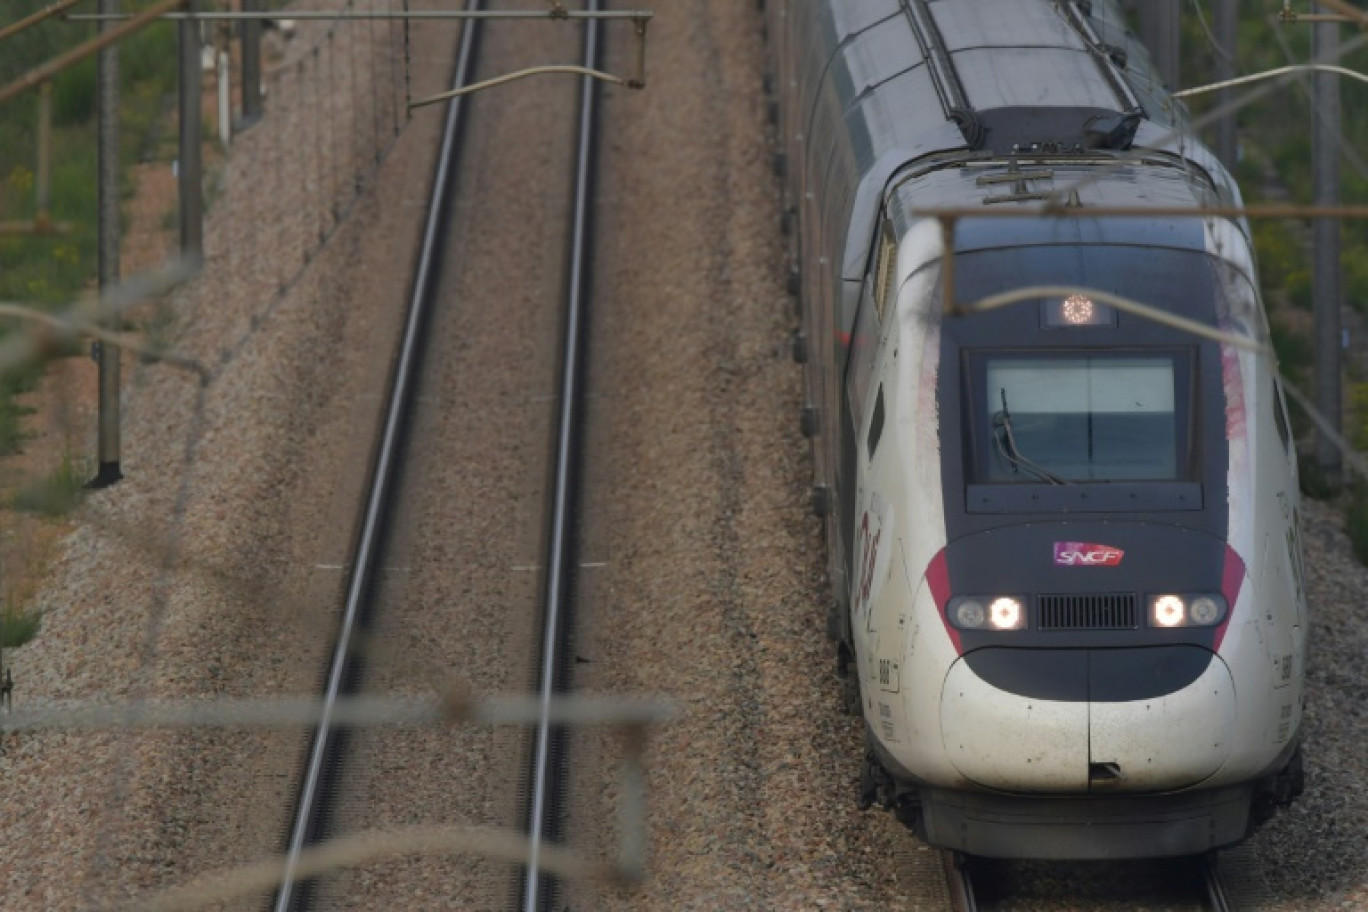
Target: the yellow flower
pixel 21 178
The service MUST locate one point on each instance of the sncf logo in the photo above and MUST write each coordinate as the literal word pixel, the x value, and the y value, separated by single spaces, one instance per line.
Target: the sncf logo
pixel 1086 554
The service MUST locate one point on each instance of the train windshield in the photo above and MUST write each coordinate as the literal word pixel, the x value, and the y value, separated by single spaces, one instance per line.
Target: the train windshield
pixel 1061 417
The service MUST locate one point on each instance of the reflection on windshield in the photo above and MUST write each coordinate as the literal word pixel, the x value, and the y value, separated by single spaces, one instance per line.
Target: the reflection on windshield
pixel 1081 419
pixel 1005 441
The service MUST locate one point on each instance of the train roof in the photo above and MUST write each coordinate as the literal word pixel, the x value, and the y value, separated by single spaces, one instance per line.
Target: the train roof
pixel 913 85
pixel 993 186
pixel 1009 73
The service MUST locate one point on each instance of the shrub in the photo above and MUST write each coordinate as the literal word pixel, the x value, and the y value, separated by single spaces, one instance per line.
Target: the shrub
pixel 1294 350
pixel 1355 265
pixel 1358 408
pixel 17 626
pixel 1313 481
pixel 149 56
pixel 73 93
pixel 1279 255
pixel 1298 284
pixel 1356 521
pixel 59 493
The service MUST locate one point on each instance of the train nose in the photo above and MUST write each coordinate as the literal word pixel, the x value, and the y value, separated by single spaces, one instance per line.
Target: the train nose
pixel 1142 719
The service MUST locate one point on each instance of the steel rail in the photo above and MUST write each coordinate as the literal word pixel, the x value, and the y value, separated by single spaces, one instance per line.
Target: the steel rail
pixel 546 782
pixel 309 814
pixel 1215 888
pixel 959 882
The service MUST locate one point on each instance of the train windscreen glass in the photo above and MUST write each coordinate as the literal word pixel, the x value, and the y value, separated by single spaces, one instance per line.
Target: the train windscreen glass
pixel 1064 418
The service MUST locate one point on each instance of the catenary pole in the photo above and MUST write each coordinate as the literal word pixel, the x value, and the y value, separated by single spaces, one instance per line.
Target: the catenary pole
pixel 1169 55
pixel 1159 32
pixel 1225 28
pixel 107 152
pixel 188 181
pixel 251 65
pixel 1325 236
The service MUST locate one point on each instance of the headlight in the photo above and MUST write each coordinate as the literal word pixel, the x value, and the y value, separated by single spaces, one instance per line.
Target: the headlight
pixel 1000 612
pixel 969 614
pixel 1005 614
pixel 1186 610
pixel 1204 611
pixel 1168 611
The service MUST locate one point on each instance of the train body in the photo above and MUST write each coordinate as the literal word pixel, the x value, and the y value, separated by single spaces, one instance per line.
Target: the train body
pixel 1062 534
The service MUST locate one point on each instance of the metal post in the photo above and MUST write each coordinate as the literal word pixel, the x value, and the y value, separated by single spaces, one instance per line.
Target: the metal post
pixel 1169 54
pixel 1325 265
pixel 107 150
pixel 224 84
pixel 1159 33
pixel 1227 148
pixel 42 220
pixel 251 65
pixel 189 180
pixel 1148 13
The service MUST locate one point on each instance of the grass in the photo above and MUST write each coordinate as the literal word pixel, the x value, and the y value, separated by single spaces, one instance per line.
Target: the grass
pixel 57 495
pixel 1356 520
pixel 17 625
pixel 54 497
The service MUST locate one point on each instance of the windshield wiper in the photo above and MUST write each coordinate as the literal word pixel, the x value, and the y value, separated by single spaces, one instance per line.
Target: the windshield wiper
pixel 1002 421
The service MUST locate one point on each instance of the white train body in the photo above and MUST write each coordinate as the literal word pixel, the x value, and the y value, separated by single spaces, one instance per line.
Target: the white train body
pixel 1118 493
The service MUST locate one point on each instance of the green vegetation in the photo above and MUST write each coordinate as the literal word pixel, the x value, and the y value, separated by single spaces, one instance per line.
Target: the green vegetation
pixel 50 270
pixel 1275 135
pixel 59 493
pixel 18 625
pixel 1356 520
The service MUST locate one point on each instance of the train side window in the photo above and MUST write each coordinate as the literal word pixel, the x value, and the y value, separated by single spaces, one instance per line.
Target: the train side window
pixel 884 269
pixel 1280 417
pixel 876 423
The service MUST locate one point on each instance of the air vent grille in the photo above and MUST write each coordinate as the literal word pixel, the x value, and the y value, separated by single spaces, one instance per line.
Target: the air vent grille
pixel 1088 612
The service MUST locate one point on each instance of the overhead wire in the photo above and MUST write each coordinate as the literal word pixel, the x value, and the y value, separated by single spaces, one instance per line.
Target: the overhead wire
pixel 1225 54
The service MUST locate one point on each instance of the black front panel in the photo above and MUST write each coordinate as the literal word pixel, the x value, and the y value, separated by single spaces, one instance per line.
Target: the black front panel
pixel 1188 489
pixel 1040 498
pixel 1094 567
pixel 1123 675
pixel 1091 675
pixel 1060 675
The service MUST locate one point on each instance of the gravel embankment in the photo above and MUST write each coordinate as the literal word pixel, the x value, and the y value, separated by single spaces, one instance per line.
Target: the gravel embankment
pixel 204 572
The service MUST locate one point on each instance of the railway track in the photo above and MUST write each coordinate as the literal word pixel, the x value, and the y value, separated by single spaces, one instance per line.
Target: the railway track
pixel 328 743
pixel 394 631
pixel 979 885
pixel 547 773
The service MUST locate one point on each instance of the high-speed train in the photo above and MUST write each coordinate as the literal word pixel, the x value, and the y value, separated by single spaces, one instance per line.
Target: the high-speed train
pixel 1062 532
